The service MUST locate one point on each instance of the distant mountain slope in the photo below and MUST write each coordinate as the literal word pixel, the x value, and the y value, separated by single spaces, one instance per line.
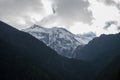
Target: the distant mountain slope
pixel 100 51
pixel 23 57
pixel 59 39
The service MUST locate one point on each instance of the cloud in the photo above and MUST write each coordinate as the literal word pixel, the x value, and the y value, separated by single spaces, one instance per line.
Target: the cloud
pixel 78 16
pixel 115 3
pixel 90 34
pixel 118 28
pixel 69 11
pixel 19 6
pixel 19 11
pixel 109 24
pixel 108 2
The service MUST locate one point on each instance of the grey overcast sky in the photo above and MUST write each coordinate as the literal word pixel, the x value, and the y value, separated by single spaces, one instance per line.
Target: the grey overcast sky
pixel 78 16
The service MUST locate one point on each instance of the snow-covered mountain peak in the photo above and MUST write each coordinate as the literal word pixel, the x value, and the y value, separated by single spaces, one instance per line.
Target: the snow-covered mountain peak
pixel 59 39
pixel 35 28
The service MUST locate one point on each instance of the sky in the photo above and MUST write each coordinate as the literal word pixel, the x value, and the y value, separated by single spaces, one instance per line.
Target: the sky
pixel 77 16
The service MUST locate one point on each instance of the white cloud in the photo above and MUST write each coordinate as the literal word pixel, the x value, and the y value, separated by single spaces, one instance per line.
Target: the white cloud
pixel 70 11
pixel 78 16
pixel 20 12
pixel 115 3
pixel 80 27
pixel 102 14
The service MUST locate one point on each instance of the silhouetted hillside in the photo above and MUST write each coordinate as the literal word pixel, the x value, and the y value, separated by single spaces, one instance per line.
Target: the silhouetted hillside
pixel 101 52
pixel 23 57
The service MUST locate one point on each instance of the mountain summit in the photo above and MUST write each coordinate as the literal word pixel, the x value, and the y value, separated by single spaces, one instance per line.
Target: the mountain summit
pixel 59 39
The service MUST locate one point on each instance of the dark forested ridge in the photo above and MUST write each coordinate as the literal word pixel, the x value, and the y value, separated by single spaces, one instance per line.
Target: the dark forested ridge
pixel 102 52
pixel 112 71
pixel 103 45
pixel 23 57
